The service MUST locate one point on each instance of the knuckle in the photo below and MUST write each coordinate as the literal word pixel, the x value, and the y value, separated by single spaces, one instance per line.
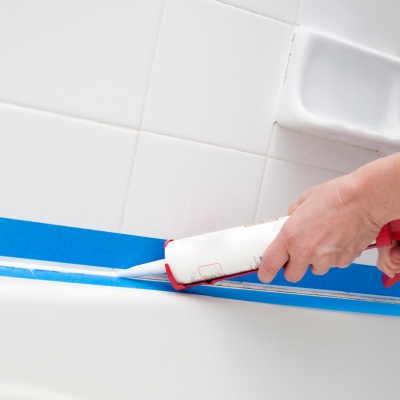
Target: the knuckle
pixel 325 261
pixel 306 193
pixel 343 262
pixel 268 269
pixel 288 234
pixel 306 253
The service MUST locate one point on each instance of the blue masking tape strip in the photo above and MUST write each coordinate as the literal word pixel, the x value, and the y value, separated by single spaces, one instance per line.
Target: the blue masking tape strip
pixel 214 291
pixel 23 239
pixel 357 278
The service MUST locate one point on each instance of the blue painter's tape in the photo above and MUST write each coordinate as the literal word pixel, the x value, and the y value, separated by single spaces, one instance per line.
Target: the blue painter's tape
pixel 357 278
pixel 254 296
pixel 23 239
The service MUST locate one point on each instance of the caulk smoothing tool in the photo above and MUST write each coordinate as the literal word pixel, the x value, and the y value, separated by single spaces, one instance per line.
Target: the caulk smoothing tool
pixel 208 258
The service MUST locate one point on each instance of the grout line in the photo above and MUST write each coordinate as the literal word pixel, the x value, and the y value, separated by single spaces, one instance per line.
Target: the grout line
pixel 260 190
pixel 204 143
pixel 275 124
pixel 253 12
pixel 298 11
pixel 73 117
pixel 286 70
pixel 129 185
pixel 308 165
pixel 152 64
pixel 143 112
pixel 264 172
pixel 272 138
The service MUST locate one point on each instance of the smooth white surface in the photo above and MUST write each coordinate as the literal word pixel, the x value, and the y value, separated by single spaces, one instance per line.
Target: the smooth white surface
pixel 93 343
pixel 217 74
pixel 309 150
pixel 374 23
pixel 88 59
pixel 283 10
pixel 283 183
pixel 180 188
pixel 341 91
pixel 62 170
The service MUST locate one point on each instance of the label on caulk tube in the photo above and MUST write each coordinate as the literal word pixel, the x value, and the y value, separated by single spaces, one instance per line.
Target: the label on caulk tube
pixel 222 253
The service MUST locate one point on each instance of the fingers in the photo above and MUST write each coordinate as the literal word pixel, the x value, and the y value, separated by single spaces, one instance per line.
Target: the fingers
pixel 295 270
pixel 274 258
pixel 384 267
pixel 395 256
pixel 388 260
pixel 319 269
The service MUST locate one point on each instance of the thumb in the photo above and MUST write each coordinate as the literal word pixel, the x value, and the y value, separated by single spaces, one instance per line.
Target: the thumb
pixel 395 254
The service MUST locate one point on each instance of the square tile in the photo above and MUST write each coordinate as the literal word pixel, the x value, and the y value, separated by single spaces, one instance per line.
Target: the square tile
pixel 87 59
pixel 283 10
pixel 62 170
pixel 283 183
pixel 180 188
pixel 372 23
pixel 300 148
pixel 217 74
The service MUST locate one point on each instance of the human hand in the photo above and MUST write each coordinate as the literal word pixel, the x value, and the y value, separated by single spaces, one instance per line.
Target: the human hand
pixel 328 227
pixel 389 259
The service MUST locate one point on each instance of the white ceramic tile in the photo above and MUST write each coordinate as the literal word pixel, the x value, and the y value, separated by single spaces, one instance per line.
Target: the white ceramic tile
pixel 62 170
pixel 283 183
pixel 317 152
pixel 373 23
pixel 217 74
pixel 283 10
pixel 180 188
pixel 88 59
pixel 341 91
pixel 81 342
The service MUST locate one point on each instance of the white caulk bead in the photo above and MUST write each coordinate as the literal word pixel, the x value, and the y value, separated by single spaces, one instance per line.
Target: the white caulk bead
pixel 151 268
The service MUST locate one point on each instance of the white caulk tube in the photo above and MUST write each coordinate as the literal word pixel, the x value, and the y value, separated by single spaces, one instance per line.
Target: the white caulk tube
pixel 212 256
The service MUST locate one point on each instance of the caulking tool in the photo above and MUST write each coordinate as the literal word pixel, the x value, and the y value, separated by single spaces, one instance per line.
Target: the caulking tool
pixel 227 254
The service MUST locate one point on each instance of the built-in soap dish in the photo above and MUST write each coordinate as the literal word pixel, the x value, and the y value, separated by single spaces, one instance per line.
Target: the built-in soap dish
pixel 342 91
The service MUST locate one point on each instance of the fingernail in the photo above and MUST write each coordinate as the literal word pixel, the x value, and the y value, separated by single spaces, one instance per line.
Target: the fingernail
pixel 396 253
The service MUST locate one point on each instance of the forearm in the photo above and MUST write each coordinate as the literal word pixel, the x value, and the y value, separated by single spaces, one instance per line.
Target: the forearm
pixel 378 184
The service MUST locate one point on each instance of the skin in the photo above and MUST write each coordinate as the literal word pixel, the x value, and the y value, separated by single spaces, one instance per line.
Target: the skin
pixel 331 224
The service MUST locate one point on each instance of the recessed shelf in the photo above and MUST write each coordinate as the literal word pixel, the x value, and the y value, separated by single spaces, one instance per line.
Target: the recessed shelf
pixel 342 91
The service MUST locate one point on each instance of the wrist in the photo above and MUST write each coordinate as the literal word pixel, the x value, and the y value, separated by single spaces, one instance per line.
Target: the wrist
pixel 353 198
pixel 378 184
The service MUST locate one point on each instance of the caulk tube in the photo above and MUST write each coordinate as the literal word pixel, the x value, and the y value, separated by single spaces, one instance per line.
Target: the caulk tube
pixel 219 255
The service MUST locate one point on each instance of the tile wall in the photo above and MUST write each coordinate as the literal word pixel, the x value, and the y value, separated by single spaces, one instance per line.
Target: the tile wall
pixel 158 117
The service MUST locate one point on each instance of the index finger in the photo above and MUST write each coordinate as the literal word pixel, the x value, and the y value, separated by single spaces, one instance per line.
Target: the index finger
pixel 274 258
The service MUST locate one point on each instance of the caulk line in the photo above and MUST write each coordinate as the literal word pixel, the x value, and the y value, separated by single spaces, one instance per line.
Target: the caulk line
pixel 275 297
